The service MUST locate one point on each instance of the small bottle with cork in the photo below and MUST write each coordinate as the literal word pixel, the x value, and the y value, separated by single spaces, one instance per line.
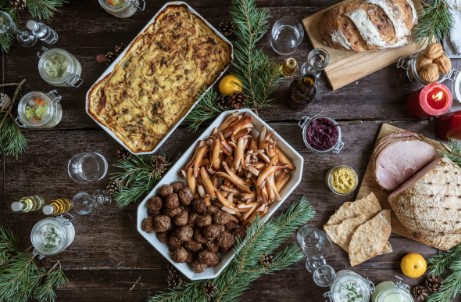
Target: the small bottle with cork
pixel 58 207
pixel 28 204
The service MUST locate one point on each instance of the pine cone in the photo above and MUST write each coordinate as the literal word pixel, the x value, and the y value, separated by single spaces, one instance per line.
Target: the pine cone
pixel 209 289
pixel 18 4
pixel 267 260
pixel 109 57
pixel 113 187
pixel 419 292
pixel 174 278
pixel 237 100
pixel 433 283
pixel 5 102
pixel 123 154
pixel 159 163
pixel 224 102
pixel 227 28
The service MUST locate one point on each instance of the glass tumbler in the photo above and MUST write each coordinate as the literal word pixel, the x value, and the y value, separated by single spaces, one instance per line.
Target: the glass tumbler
pixel 87 167
pixel 286 34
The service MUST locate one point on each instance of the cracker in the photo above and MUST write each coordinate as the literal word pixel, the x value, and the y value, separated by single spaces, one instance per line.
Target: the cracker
pixel 341 233
pixel 368 206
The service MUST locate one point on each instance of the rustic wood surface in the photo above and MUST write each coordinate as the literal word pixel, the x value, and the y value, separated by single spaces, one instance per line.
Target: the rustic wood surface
pixel 109 260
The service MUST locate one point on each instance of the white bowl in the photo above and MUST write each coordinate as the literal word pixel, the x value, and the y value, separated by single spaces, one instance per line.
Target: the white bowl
pixel 172 175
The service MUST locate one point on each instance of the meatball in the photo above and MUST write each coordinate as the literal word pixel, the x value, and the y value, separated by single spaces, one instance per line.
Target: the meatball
pixel 177 186
pixel 212 246
pixel 203 221
pixel 192 246
pixel 190 258
pixel 213 209
pixel 198 237
pixel 163 236
pixel 199 206
pixel 174 242
pixel 239 232
pixel 221 217
pixel 231 225
pixel 192 219
pixel 198 267
pixel 185 196
pixel 226 240
pixel 148 224
pixel 212 231
pixel 165 190
pixel 208 257
pixel 162 223
pixel 185 233
pixel 180 255
pixel 172 213
pixel 153 212
pixel 172 201
pixel 181 218
pixel 155 203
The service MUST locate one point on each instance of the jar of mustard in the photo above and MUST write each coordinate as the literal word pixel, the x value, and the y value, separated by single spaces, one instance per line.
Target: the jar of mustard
pixel 342 180
pixel 392 291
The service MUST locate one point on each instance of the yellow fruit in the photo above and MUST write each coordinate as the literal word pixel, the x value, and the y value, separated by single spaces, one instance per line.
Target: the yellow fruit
pixel 413 265
pixel 230 84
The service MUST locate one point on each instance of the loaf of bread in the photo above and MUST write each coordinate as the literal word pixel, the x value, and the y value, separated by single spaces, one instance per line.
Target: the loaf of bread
pixel 362 25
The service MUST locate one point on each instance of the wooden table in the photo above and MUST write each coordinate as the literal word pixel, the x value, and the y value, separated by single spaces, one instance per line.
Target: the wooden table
pixel 109 260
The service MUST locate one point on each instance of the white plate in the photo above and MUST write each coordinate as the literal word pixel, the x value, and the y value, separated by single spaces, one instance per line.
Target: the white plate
pixel 122 55
pixel 172 175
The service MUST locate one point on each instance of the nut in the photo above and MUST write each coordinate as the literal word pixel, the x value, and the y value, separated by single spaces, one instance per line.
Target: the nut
pixel 422 61
pixel 433 51
pixel 430 73
pixel 443 63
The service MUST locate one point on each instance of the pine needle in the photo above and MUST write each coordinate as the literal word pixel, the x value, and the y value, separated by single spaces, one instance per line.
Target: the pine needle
pixel 435 22
pixel 43 9
pixel 205 110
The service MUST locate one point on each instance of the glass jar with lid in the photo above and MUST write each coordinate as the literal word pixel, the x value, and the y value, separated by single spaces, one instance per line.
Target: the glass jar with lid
pixel 409 64
pixel 122 8
pixel 51 236
pixel 392 291
pixel 59 67
pixel 349 287
pixel 321 134
pixel 39 110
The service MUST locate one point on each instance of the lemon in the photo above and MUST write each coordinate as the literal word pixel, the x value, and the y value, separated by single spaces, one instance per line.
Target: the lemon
pixel 230 84
pixel 413 265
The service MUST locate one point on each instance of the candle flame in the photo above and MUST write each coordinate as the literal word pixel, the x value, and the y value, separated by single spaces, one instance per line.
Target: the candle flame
pixel 438 96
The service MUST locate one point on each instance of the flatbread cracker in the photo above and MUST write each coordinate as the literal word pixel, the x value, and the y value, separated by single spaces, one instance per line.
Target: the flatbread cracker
pixel 341 233
pixel 370 238
pixel 368 206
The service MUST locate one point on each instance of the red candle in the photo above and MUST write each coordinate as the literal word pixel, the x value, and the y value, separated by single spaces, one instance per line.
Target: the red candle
pixel 433 100
pixel 448 126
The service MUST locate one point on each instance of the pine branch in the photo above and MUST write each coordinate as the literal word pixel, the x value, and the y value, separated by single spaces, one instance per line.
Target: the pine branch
pixel 452 152
pixel 440 263
pixel 205 110
pixel 451 286
pixel 44 9
pixel 435 22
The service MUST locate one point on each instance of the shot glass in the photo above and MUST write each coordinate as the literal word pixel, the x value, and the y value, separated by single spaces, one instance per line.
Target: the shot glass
pixel 317 60
pixel 286 34
pixel 87 167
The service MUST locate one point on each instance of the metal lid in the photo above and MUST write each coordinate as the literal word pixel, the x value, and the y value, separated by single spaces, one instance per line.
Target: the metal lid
pixel 48 210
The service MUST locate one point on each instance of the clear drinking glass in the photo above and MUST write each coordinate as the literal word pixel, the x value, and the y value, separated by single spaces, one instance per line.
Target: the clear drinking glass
pixel 315 245
pixel 286 34
pixel 324 275
pixel 8 26
pixel 87 167
pixel 84 203
pixel 317 60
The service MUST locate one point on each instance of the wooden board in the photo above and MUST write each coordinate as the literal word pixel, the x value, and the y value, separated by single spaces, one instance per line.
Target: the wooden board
pixel 369 184
pixel 347 66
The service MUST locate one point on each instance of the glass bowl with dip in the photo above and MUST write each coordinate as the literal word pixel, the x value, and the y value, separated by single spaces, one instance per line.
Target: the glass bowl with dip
pixel 342 180
pixel 321 134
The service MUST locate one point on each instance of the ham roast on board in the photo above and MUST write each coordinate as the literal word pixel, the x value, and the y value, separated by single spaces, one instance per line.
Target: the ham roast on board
pixel 429 204
pixel 398 156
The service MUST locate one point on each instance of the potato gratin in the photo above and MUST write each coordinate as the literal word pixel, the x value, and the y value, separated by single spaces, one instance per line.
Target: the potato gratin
pixel 159 78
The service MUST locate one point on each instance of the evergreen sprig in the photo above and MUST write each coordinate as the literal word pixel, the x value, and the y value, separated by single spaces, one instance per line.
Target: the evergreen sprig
pixel 206 109
pixel 137 177
pixel 262 238
pixel 20 278
pixel 435 22
pixel 44 9
pixel 453 152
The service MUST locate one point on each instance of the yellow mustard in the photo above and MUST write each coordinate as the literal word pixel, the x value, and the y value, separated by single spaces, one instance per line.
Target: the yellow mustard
pixel 343 180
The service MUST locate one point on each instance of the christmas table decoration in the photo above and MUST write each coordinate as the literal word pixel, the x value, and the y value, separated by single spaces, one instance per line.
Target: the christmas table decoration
pixel 434 23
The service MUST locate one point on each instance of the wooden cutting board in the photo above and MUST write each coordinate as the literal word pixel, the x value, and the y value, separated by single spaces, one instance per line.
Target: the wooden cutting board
pixel 370 185
pixel 347 66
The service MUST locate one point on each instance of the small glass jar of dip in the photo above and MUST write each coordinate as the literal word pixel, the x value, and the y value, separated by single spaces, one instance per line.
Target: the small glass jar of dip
pixel 342 180
pixel 321 134
pixel 349 286
pixel 52 235
pixel 59 67
pixel 392 291
pixel 122 8
pixel 39 110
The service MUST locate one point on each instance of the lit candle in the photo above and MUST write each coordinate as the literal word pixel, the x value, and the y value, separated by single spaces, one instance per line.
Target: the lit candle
pixel 433 100
pixel 448 126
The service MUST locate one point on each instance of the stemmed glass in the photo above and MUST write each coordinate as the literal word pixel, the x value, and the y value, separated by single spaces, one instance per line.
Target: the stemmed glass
pixel 7 26
pixel 317 60
pixel 84 203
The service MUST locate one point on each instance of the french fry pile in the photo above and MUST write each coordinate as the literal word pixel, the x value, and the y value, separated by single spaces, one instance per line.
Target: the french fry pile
pixel 242 172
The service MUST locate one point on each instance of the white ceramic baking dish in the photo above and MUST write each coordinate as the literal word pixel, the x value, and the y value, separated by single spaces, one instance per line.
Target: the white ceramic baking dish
pixel 172 176
pixel 120 57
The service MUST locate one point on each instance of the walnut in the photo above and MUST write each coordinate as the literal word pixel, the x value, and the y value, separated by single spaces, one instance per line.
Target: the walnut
pixel 443 63
pixel 430 73
pixel 422 61
pixel 433 51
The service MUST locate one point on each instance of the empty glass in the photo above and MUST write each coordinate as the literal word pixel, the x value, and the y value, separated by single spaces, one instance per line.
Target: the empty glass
pixel 324 275
pixel 286 34
pixel 87 167
pixel 7 25
pixel 84 203
pixel 315 244
pixel 317 60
